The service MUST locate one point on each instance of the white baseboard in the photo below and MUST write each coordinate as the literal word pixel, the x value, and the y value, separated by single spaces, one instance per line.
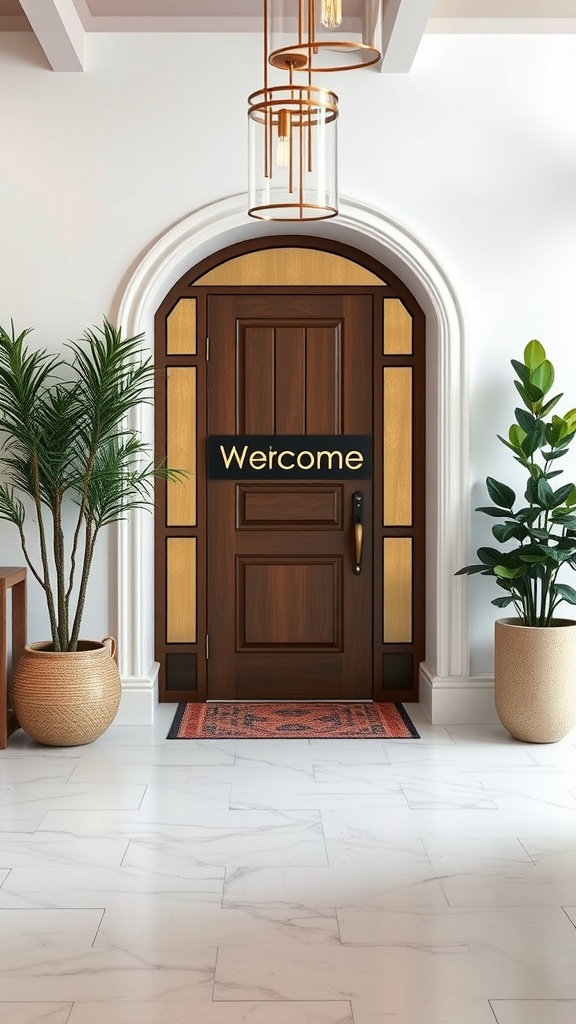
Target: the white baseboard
pixel 139 699
pixel 457 700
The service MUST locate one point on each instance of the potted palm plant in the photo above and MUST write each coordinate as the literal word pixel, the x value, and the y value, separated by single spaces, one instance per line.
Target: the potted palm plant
pixel 73 466
pixel 535 651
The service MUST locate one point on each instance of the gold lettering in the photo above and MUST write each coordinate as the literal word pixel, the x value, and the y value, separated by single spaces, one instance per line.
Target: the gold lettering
pixel 354 460
pixel 271 455
pixel 233 455
pixel 299 460
pixel 257 460
pixel 330 456
pixel 281 459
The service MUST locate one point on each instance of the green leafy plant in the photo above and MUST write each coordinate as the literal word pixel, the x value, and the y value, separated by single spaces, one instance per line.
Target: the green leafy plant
pixel 65 443
pixel 541 532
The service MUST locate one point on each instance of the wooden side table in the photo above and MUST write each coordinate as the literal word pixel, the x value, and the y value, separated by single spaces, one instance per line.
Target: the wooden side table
pixel 11 578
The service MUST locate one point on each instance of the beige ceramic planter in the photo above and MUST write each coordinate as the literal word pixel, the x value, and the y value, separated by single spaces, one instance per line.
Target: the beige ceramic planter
pixel 535 679
pixel 64 699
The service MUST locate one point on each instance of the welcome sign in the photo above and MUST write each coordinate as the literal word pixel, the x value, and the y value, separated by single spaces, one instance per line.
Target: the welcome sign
pixel 290 457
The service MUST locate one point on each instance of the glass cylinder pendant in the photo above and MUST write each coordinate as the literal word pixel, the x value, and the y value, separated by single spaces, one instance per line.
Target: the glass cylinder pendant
pixel 292 148
pixel 318 35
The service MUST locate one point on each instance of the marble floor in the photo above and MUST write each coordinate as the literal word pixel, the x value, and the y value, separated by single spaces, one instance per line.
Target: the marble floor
pixel 147 881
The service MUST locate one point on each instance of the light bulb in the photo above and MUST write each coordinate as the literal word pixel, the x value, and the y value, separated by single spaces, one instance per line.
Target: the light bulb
pixel 284 132
pixel 331 16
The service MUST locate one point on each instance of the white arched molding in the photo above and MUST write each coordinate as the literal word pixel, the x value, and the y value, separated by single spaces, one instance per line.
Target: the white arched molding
pixel 445 681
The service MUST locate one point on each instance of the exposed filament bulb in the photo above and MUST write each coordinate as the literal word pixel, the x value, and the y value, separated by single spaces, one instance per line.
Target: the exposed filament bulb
pixel 331 15
pixel 284 138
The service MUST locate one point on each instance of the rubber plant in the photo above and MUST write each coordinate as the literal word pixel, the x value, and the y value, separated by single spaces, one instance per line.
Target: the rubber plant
pixel 537 537
pixel 69 457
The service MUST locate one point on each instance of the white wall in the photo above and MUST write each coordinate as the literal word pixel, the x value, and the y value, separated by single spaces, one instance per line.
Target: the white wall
pixel 474 151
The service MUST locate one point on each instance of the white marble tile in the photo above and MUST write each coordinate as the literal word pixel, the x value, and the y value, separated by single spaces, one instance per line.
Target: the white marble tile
pixel 90 974
pixel 508 887
pixel 126 888
pixel 45 929
pixel 45 849
pixel 19 819
pixel 36 768
pixel 511 931
pixel 35 1013
pixel 476 856
pixel 517 790
pixel 317 1012
pixel 46 796
pixel 534 1011
pixel 387 880
pixel 392 974
pixel 183 924
pixel 447 795
pixel 144 763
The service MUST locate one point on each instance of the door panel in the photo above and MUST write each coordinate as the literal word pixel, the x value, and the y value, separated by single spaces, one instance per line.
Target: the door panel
pixel 287 616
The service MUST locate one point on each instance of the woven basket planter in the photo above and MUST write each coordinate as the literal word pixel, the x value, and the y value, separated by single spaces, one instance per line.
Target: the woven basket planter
pixel 534 679
pixel 66 698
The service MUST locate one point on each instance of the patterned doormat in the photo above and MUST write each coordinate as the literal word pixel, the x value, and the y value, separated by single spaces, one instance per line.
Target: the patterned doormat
pixel 294 720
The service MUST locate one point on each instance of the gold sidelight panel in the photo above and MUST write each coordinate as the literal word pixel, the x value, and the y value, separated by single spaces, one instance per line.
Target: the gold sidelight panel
pixel 397 449
pixel 181 444
pixel 397 581
pixel 181 590
pixel 397 328
pixel 181 329
pixel 290 266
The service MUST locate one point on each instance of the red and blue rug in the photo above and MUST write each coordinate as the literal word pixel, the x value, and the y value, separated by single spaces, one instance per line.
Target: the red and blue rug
pixel 242 720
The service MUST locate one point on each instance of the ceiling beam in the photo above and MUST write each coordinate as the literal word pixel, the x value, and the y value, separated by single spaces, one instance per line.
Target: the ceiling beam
pixel 57 27
pixel 396 27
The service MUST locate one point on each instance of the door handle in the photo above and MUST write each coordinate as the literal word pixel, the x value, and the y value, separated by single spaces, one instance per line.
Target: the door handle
pixel 358 520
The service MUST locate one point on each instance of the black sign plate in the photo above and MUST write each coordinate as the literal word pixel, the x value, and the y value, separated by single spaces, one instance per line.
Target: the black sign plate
pixel 289 457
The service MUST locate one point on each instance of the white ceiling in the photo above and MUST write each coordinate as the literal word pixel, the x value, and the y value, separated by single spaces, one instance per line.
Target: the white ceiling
pixel 393 26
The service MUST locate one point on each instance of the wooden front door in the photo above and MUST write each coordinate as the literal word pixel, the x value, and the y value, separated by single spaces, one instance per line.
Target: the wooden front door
pixel 287 616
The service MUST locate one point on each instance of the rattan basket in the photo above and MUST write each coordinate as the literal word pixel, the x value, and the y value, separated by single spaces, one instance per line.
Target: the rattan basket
pixel 67 698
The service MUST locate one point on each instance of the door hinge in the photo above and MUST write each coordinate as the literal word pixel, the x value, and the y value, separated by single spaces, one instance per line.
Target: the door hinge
pixel 207 349
pixel 207 647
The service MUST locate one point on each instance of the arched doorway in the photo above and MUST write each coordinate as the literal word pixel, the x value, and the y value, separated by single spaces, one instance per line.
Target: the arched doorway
pixel 447 692
pixel 266 585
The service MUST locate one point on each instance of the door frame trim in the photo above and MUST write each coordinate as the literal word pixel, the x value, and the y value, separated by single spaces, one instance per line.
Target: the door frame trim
pixel 212 228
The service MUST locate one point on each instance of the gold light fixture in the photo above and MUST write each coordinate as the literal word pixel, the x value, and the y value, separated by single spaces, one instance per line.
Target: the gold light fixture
pixel 316 31
pixel 291 145
pixel 293 125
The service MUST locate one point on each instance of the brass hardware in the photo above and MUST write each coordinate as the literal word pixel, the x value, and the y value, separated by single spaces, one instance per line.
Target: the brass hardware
pixel 207 647
pixel 207 350
pixel 358 520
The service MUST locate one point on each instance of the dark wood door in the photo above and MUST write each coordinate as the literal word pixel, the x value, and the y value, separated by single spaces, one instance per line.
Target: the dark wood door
pixel 288 618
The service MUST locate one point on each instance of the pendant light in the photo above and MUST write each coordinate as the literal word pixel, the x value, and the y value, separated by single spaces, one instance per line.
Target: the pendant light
pixel 292 144
pixel 317 31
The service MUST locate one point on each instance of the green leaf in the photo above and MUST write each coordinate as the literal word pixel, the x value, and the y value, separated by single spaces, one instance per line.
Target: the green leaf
pixel 550 405
pixel 562 494
pixel 534 354
pixel 489 556
pixel 500 493
pixel 507 573
pixel 469 570
pixel 516 434
pixel 489 510
pixel 522 371
pixel 566 593
pixel 545 494
pixel 535 439
pixel 525 420
pixel 502 602
pixel 522 391
pixel 543 376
